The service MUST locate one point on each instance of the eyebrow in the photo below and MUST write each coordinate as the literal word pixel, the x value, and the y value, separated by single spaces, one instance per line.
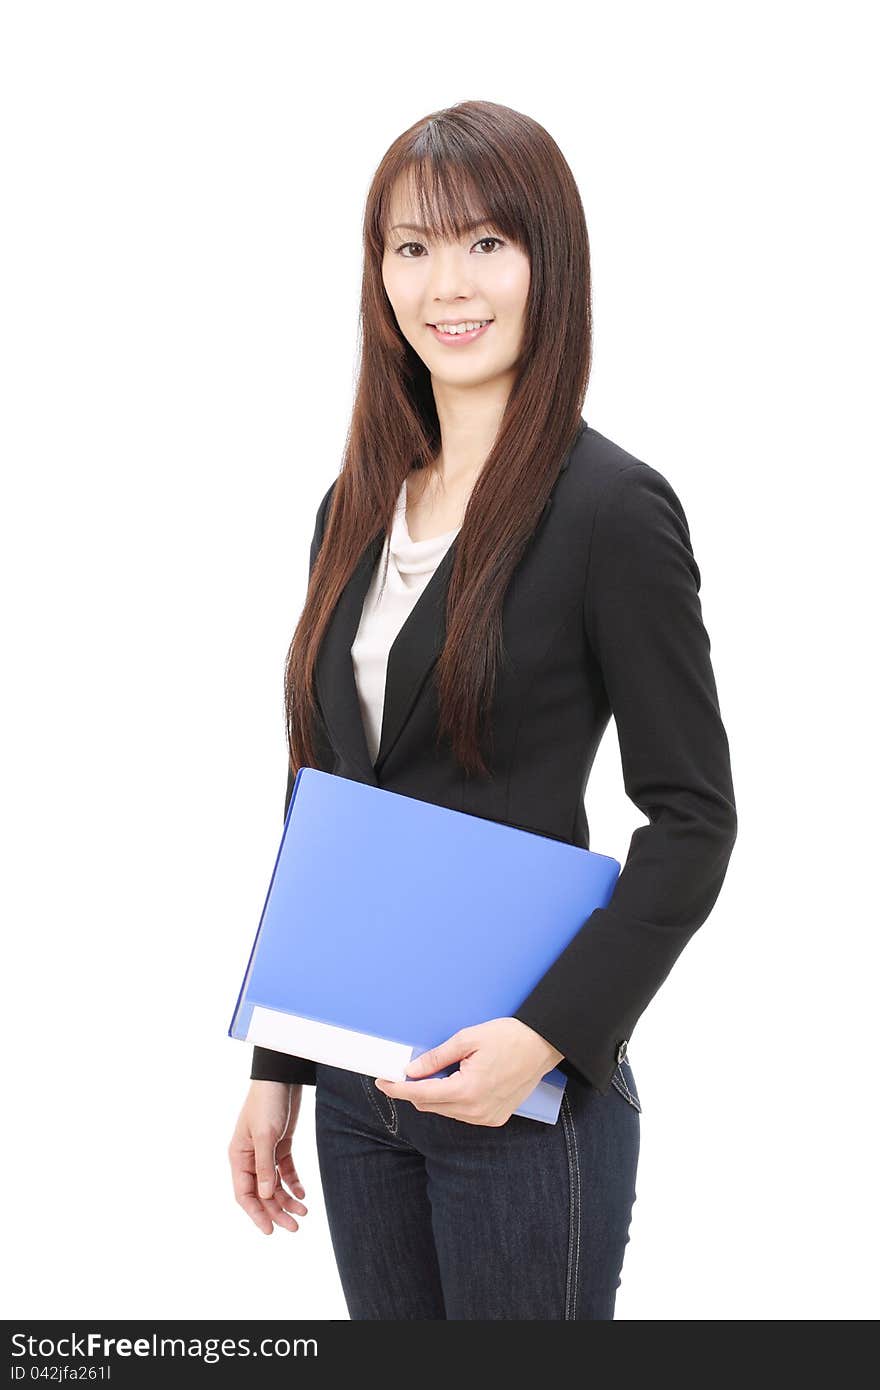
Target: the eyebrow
pixel 426 231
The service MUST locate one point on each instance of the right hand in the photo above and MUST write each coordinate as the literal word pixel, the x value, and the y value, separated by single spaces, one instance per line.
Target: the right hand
pixel 262 1140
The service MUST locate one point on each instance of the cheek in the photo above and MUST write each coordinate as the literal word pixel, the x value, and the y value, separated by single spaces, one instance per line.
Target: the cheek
pixel 510 290
pixel 394 283
pixel 404 300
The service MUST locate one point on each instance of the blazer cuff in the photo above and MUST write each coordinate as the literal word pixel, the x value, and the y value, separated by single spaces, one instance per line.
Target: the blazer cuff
pixel 267 1065
pixel 585 1062
pixel 589 1001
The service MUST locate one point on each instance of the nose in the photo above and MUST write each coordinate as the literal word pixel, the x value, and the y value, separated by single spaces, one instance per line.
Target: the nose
pixel 450 280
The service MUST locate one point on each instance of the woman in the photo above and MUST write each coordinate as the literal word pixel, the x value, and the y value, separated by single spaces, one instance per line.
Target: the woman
pixel 491 579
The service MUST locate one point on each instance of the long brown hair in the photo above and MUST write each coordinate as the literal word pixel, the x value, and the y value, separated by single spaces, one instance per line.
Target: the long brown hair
pixel 474 160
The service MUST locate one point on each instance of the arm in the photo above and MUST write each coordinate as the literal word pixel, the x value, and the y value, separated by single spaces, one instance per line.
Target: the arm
pixel 267 1065
pixel 643 621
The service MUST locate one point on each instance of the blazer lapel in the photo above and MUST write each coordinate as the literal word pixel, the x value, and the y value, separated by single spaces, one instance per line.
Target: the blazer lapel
pixel 413 652
pixel 334 671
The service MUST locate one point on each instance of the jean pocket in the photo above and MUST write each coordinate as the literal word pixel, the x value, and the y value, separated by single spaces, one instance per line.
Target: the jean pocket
pixel 623 1081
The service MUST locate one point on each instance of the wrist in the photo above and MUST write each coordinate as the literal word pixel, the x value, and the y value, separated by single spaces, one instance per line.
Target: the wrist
pixel 548 1056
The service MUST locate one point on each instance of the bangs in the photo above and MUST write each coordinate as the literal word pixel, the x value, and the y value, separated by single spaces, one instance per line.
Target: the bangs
pixel 446 201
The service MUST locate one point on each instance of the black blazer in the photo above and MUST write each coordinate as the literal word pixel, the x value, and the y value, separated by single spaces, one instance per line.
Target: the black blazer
pixel 602 617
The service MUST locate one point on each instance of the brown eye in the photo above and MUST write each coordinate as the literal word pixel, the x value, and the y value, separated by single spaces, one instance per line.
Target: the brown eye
pixel 403 247
pixel 484 239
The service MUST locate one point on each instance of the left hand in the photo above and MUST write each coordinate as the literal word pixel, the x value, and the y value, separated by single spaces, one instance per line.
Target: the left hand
pixel 502 1062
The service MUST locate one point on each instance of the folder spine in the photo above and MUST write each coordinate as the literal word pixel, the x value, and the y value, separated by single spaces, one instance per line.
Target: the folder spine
pixel 232 1031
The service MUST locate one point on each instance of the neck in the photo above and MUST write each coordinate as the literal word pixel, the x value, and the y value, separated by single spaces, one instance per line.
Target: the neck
pixel 469 422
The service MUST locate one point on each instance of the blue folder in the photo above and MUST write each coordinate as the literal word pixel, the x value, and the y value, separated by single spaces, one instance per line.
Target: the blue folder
pixel 390 923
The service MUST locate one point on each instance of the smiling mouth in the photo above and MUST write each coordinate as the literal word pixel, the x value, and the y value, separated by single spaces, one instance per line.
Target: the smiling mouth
pixel 456 323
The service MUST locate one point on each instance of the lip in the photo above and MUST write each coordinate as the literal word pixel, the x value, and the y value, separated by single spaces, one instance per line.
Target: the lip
pixel 453 339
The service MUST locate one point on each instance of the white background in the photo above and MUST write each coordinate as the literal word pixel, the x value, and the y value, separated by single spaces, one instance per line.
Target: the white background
pixel 183 186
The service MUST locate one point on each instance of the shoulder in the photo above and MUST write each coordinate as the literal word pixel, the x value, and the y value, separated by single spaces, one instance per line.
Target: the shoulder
pixel 629 520
pixel 322 514
pixel 602 471
pixel 609 489
pixel 324 505
pixel 320 524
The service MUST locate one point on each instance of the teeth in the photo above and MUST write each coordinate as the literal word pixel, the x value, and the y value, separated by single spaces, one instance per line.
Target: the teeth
pixel 461 327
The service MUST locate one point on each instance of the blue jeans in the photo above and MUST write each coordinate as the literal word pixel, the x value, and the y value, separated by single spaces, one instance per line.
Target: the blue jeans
pixel 432 1217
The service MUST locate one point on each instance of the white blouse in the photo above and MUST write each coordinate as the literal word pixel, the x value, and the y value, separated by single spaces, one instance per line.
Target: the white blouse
pixel 386 608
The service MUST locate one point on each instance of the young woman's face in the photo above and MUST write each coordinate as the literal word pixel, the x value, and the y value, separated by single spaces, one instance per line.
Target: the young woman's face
pixel 428 282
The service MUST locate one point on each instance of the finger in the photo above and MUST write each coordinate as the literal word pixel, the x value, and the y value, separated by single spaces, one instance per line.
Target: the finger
pixel 278 1214
pixel 271 1212
pixel 454 1049
pixel 244 1187
pixel 291 1204
pixel 257 1212
pixel 445 1091
pixel 264 1213
pixel 433 1060
pixel 244 1183
pixel 459 1109
pixel 450 1112
pixel 290 1176
pixel 264 1157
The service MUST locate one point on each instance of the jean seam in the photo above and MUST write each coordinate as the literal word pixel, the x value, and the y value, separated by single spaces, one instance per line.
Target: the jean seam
pixel 392 1127
pixel 574 1213
pixel 624 1090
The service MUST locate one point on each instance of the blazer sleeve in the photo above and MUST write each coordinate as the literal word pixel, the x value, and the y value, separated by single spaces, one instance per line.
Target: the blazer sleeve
pixel 643 622
pixel 267 1065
